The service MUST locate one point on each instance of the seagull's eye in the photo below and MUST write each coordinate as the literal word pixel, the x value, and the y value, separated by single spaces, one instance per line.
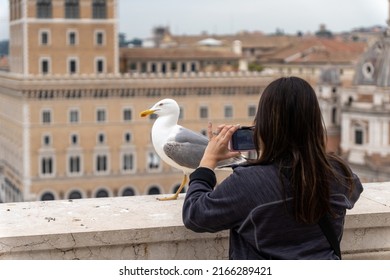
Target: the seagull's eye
pixel 160 104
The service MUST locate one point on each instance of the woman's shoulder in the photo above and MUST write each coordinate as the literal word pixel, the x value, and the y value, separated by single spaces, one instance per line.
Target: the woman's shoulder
pixel 259 169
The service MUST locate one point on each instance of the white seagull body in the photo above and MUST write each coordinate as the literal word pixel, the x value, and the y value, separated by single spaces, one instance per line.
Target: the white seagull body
pixel 176 145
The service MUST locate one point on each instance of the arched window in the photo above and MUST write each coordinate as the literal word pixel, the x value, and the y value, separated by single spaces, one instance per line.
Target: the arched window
pixel 102 193
pixel 47 196
pixel 154 190
pixel 75 195
pixel 128 192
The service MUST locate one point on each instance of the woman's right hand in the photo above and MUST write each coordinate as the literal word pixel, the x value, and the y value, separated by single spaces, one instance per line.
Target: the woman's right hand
pixel 218 146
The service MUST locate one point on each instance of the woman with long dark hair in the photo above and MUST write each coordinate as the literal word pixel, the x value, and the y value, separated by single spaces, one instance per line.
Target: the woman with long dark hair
pixel 275 206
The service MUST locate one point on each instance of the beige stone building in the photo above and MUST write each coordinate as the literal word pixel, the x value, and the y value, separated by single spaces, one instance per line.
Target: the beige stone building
pixel 63 37
pixel 69 122
pixel 70 103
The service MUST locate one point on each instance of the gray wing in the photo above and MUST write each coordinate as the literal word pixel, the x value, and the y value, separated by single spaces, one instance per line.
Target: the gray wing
pixel 185 154
pixel 186 148
pixel 188 136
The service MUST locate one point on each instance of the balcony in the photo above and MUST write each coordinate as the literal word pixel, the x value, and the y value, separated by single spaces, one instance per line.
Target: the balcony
pixel 141 227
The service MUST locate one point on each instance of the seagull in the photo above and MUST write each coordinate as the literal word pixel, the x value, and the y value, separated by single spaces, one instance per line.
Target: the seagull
pixel 176 145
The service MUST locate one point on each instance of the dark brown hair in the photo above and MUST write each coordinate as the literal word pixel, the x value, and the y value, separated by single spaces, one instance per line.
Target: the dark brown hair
pixel 289 131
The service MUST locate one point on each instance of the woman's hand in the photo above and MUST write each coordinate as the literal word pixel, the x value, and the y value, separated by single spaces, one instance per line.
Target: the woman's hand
pixel 217 148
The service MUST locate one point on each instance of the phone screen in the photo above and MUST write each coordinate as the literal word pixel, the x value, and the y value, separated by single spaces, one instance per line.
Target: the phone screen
pixel 242 140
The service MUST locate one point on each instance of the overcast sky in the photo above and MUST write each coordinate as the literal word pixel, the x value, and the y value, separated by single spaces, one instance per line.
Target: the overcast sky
pixel 138 17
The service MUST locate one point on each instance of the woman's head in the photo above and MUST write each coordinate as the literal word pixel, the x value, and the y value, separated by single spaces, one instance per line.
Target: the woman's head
pixel 288 120
pixel 289 131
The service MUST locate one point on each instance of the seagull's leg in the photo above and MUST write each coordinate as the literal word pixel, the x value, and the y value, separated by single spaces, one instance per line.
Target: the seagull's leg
pixel 173 197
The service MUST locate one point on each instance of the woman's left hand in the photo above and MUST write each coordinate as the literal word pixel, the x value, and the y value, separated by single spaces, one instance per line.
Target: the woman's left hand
pixel 218 146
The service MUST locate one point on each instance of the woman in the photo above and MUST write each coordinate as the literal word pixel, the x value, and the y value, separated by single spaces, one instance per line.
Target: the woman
pixel 272 206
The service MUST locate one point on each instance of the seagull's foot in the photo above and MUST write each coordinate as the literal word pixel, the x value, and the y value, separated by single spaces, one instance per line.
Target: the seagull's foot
pixel 176 195
pixel 173 197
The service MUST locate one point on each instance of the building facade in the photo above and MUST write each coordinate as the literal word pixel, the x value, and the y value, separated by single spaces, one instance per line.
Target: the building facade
pixel 69 122
pixel 365 141
pixel 70 104
pixel 63 37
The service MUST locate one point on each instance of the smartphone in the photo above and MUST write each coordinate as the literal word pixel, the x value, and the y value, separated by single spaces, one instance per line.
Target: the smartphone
pixel 243 139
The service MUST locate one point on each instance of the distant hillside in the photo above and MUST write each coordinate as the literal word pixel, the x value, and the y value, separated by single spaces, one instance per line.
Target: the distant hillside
pixel 4 47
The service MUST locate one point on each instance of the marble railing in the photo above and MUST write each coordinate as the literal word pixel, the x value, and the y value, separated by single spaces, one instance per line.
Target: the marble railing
pixel 141 227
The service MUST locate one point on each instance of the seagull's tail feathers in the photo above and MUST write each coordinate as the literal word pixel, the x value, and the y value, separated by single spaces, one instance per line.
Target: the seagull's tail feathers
pixel 228 164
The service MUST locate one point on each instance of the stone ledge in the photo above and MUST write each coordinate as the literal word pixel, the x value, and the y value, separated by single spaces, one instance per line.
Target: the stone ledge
pixel 141 227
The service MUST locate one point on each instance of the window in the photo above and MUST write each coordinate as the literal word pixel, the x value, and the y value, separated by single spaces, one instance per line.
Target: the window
pixel 183 67
pixel 132 67
pixel 204 112
pixel 127 114
pixel 47 196
pixel 127 137
pixel 193 67
pixel 173 66
pixel 44 9
pixel 228 112
pixel 101 138
pixel 72 64
pixel 154 68
pixel 128 162
pixel 99 9
pixel 153 161
pixel 44 38
pixel 45 66
pixel 46 117
pixel 334 115
pixel 46 140
pixel 75 195
pixel 100 66
pixel 47 165
pixel 181 113
pixel 128 192
pixel 144 67
pixel 101 163
pixel 102 193
pixel 72 38
pixel 72 9
pixel 359 136
pixel 74 164
pixel 251 111
pixel 101 115
pixel 99 37
pixel 74 139
pixel 163 68
pixel 154 190
pixel 73 116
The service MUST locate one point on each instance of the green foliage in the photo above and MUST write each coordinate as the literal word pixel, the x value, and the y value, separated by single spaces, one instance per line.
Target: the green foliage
pixel 255 67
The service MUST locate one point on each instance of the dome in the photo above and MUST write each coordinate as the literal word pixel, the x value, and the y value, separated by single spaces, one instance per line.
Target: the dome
pixel 374 65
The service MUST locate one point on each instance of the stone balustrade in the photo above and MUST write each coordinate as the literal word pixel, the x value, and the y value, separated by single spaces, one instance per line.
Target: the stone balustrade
pixel 136 76
pixel 141 227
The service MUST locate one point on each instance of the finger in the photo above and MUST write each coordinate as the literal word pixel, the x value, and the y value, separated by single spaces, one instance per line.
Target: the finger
pixel 220 127
pixel 210 130
pixel 227 131
pixel 231 130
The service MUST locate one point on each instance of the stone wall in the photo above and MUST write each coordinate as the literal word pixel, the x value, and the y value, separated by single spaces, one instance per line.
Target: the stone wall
pixel 141 227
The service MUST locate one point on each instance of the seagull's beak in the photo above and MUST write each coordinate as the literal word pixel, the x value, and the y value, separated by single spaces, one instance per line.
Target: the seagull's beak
pixel 147 112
